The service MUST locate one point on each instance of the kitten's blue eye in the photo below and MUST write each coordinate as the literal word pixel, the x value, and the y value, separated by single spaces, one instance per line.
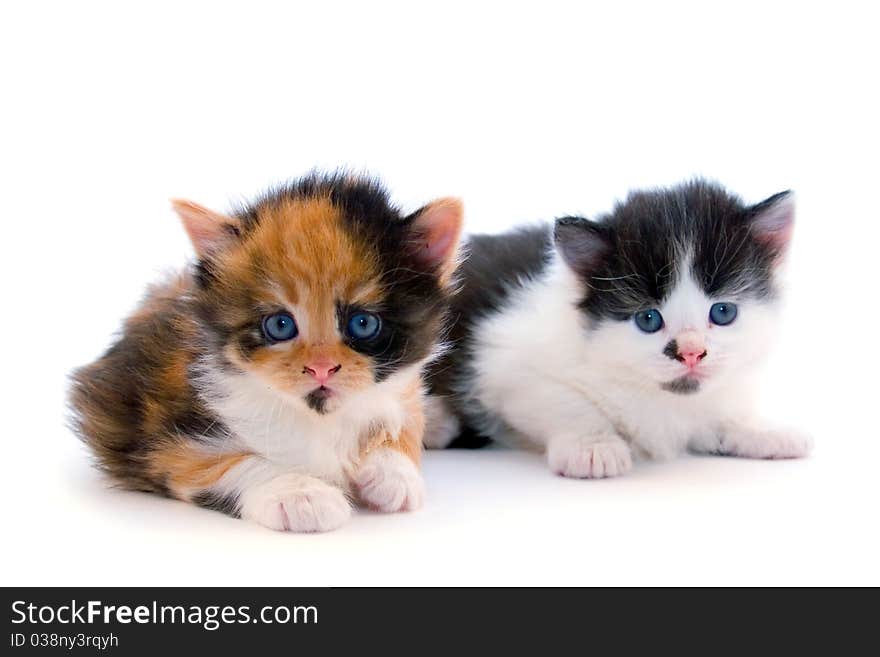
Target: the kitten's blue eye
pixel 649 321
pixel 280 327
pixel 722 313
pixel 363 326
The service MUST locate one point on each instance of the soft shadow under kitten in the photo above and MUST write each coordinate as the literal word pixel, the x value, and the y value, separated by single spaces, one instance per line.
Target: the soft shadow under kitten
pixel 281 374
pixel 638 333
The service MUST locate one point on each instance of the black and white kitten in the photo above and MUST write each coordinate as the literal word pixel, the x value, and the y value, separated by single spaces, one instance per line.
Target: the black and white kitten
pixel 637 334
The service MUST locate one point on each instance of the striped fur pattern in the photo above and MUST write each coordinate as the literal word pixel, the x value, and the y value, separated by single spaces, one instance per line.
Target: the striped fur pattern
pixel 196 401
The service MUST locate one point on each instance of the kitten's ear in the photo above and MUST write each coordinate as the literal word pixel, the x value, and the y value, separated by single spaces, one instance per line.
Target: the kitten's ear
pixel 208 230
pixel 582 244
pixel 435 233
pixel 772 221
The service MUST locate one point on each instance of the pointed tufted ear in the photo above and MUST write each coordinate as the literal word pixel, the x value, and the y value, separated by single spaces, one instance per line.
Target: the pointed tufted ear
pixel 772 222
pixel 435 233
pixel 207 230
pixel 581 243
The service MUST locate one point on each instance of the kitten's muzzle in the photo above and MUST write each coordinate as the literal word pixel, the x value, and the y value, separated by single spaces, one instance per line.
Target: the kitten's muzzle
pixel 688 347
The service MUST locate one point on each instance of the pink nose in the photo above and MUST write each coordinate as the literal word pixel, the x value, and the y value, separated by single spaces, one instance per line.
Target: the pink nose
pixel 691 347
pixel 322 370
pixel 692 357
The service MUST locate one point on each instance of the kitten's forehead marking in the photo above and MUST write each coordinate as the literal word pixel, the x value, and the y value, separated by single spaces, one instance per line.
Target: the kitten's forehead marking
pixel 687 304
pixel 313 262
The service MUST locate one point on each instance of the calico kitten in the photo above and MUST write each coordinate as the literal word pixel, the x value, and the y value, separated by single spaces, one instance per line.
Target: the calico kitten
pixel 634 334
pixel 281 374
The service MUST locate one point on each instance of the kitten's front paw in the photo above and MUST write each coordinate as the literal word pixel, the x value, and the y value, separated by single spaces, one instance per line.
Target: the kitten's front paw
pixel 389 481
pixel 296 503
pixel 604 455
pixel 766 444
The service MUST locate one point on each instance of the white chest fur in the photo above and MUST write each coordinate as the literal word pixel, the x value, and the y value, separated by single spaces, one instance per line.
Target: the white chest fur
pixel 657 424
pixel 287 432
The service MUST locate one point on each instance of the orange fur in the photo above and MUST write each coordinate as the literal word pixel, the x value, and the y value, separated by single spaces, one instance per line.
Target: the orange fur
pixel 169 394
pixel 158 297
pixel 188 469
pixel 409 441
pixel 305 249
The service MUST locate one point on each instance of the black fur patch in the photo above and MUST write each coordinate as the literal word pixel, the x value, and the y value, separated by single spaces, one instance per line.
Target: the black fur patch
pixel 683 385
pixel 671 350
pixel 198 423
pixel 227 504
pixel 381 348
pixel 495 266
pixel 317 400
pixel 470 439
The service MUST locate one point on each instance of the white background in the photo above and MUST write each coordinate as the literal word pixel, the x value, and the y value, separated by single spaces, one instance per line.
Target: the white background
pixel 526 113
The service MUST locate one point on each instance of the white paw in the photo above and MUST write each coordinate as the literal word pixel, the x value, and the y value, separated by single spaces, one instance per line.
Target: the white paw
pixel 604 455
pixel 296 503
pixel 389 481
pixel 766 444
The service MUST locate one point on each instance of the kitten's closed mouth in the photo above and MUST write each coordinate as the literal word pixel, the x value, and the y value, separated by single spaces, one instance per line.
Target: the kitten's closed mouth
pixel 317 399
